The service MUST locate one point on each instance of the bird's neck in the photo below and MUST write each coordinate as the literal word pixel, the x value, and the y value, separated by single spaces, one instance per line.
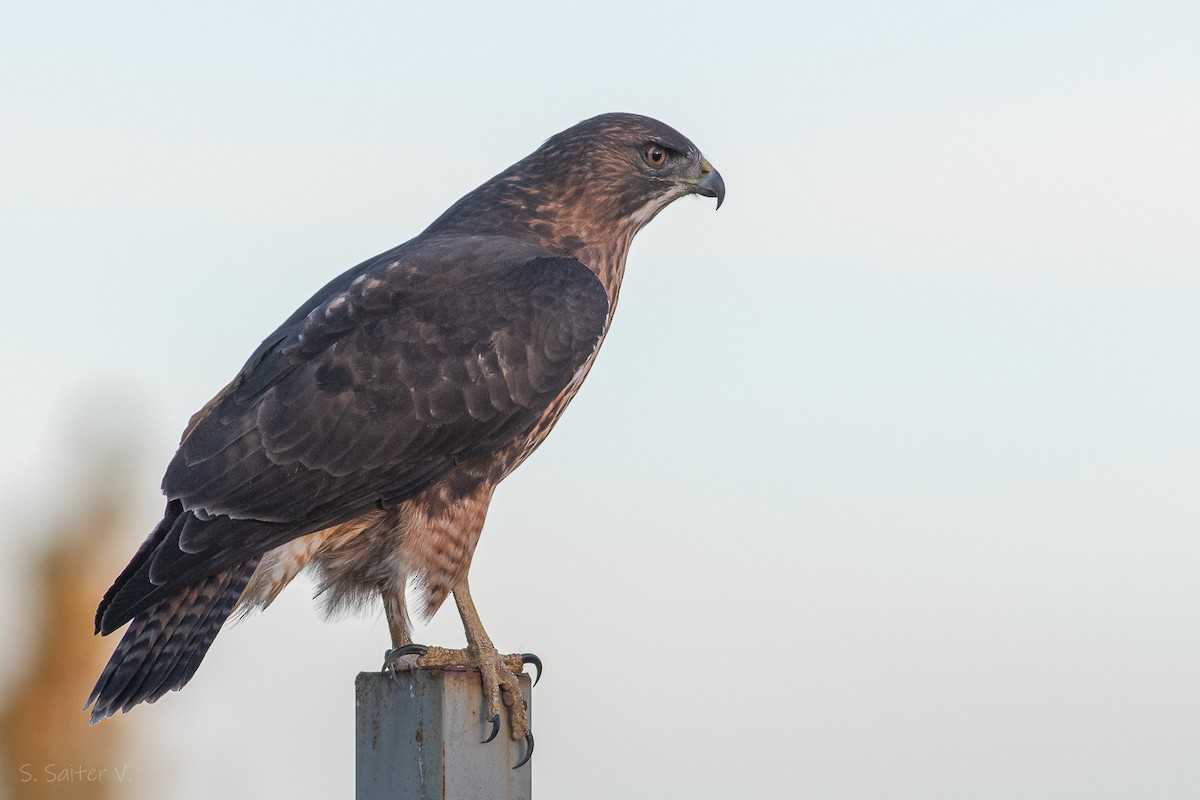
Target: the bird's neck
pixel 578 223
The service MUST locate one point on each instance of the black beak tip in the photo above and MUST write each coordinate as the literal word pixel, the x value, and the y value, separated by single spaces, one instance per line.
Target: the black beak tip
pixel 712 185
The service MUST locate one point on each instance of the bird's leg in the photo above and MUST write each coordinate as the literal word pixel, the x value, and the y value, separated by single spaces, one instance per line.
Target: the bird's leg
pixel 499 679
pixel 498 672
pixel 397 617
pixel 404 655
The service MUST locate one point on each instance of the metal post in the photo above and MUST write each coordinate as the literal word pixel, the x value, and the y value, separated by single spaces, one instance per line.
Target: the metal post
pixel 419 738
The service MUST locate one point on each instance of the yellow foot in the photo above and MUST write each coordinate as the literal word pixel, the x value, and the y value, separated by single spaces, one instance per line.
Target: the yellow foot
pixel 498 674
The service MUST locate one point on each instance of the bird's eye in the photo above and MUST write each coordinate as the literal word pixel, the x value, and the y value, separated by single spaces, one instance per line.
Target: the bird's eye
pixel 655 156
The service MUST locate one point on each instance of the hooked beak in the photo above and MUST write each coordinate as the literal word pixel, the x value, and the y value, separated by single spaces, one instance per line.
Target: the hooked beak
pixel 710 183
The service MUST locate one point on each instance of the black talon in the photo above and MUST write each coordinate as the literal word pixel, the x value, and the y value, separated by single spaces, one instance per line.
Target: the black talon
pixel 404 650
pixel 528 753
pixel 495 729
pixel 530 658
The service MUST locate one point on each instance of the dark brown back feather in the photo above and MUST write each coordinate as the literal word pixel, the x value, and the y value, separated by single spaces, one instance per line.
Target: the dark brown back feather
pixel 413 366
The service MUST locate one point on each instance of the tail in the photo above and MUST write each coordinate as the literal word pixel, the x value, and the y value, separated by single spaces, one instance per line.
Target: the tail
pixel 165 644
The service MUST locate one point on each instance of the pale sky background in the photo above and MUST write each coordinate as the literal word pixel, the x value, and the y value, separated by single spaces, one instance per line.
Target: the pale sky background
pixel 886 482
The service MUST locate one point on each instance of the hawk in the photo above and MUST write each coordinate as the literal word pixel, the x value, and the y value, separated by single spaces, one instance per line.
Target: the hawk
pixel 363 438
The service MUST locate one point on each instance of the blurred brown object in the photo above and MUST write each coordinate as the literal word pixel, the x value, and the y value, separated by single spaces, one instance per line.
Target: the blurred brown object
pixel 50 751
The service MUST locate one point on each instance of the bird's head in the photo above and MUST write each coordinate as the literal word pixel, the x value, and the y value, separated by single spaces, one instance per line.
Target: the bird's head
pixel 629 165
pixel 588 190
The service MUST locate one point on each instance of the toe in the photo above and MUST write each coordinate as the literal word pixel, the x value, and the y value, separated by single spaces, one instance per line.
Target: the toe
pixel 518 714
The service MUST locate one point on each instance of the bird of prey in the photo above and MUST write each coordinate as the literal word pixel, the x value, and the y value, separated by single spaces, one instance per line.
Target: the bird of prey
pixel 363 438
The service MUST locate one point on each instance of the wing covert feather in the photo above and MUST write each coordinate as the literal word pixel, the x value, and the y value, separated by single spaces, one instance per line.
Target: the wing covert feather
pixel 386 384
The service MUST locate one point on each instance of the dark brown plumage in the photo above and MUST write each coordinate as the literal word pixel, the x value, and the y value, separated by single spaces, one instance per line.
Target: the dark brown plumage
pixel 365 436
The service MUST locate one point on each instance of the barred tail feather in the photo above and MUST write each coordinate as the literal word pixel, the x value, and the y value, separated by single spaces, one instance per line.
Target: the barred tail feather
pixel 165 644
